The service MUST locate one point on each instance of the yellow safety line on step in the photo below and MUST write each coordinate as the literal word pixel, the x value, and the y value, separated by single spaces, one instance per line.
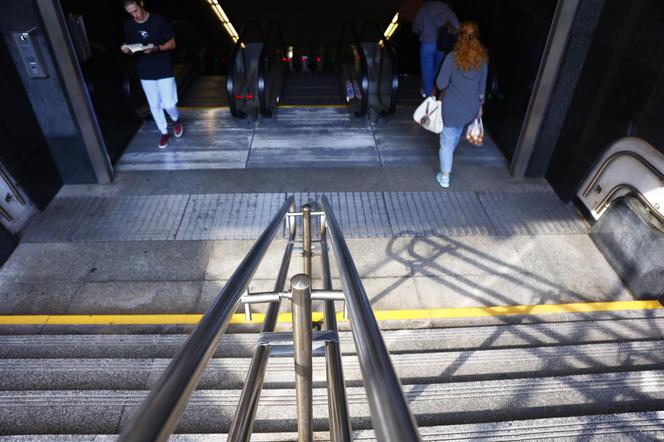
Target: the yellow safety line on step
pixel 381 315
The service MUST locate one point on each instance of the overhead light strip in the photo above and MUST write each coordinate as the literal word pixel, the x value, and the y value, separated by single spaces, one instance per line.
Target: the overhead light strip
pixel 223 18
pixel 392 27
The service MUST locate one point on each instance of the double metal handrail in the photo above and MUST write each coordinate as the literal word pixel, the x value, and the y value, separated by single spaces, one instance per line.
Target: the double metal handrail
pixel 391 417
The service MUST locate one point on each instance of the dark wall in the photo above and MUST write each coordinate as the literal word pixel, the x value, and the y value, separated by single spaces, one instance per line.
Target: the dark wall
pixel 620 91
pixel 578 44
pixel 49 102
pixel 23 149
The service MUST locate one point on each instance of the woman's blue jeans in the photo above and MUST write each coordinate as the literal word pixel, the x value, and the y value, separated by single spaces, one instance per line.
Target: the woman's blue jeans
pixel 449 139
pixel 430 60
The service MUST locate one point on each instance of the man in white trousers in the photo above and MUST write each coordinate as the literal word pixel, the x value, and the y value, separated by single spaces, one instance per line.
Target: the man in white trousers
pixel 153 64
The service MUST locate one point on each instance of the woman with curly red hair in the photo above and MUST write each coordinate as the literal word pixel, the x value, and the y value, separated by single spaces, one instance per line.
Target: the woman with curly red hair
pixel 463 78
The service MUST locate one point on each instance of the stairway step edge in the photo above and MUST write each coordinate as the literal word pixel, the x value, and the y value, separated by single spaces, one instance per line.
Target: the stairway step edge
pixel 643 425
pixel 397 341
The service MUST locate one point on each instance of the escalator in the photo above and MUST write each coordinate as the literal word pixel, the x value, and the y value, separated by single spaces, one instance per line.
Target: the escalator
pixel 360 74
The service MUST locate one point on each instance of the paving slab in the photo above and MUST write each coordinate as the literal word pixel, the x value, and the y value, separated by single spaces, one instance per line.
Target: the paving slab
pixel 225 256
pixel 136 297
pixel 149 260
pixel 37 298
pixel 330 137
pixel 213 139
pixel 570 261
pixel 66 262
pixel 436 255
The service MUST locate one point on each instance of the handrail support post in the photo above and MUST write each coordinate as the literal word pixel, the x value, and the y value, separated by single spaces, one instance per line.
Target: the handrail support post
pixel 306 238
pixel 301 306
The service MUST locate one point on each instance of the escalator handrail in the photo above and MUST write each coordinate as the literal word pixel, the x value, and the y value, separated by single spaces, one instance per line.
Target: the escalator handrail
pixel 364 80
pixel 230 69
pixel 387 48
pixel 160 412
pixel 274 28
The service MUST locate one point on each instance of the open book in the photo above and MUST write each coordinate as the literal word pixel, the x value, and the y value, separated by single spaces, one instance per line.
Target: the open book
pixel 137 47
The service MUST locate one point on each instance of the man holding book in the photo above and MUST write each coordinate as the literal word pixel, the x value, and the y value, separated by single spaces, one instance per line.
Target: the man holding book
pixel 149 36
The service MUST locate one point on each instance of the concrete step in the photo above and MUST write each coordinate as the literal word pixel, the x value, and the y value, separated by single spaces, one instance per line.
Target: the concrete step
pixel 210 411
pixel 230 373
pixel 397 341
pixel 605 428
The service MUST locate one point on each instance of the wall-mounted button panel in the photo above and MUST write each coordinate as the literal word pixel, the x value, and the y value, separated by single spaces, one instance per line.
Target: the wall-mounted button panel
pixel 31 56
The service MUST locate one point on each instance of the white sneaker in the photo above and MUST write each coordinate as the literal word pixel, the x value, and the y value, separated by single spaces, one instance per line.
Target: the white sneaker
pixel 443 180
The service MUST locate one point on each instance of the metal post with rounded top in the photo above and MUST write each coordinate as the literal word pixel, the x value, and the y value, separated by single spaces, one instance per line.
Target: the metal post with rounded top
pixel 306 237
pixel 301 304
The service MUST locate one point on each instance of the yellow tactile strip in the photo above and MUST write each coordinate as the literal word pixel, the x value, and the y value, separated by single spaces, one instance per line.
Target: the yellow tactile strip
pixel 381 315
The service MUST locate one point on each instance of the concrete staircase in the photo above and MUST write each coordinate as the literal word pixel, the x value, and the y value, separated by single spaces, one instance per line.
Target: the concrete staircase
pixel 585 378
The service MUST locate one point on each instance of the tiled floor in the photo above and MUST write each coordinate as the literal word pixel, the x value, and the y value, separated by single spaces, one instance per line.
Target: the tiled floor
pixel 296 137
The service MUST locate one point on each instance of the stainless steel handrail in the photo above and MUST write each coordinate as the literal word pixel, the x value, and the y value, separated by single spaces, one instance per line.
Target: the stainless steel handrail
pixel 591 185
pixel 390 414
pixel 161 411
pixel 340 426
pixel 245 414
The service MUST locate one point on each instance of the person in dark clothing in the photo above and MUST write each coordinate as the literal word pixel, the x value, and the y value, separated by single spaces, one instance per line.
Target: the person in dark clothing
pixel 463 78
pixel 431 17
pixel 153 64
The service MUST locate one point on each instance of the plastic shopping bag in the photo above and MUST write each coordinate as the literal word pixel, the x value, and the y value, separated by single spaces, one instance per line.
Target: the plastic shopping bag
pixel 429 115
pixel 475 132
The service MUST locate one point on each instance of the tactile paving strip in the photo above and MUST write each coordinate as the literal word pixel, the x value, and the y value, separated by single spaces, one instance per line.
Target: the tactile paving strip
pixel 530 213
pixel 360 215
pixel 228 216
pixel 130 218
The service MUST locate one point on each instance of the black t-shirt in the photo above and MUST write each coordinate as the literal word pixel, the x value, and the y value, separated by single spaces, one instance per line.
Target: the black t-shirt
pixel 155 30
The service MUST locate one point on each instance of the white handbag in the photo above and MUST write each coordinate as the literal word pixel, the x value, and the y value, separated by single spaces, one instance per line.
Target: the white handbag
pixel 475 132
pixel 429 115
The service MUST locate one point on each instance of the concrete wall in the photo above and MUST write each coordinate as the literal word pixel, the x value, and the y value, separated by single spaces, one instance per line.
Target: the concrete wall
pixel 632 240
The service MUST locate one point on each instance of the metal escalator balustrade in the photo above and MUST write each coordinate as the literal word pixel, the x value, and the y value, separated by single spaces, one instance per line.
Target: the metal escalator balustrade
pixel 352 68
pixel 382 69
pixel 390 413
pixel 629 166
pixel 242 70
pixel 272 70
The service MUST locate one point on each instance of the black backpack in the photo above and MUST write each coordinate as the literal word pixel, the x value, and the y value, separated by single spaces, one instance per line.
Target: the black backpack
pixel 447 37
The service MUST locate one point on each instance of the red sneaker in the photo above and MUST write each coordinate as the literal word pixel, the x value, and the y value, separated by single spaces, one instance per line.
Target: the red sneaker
pixel 178 129
pixel 163 141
